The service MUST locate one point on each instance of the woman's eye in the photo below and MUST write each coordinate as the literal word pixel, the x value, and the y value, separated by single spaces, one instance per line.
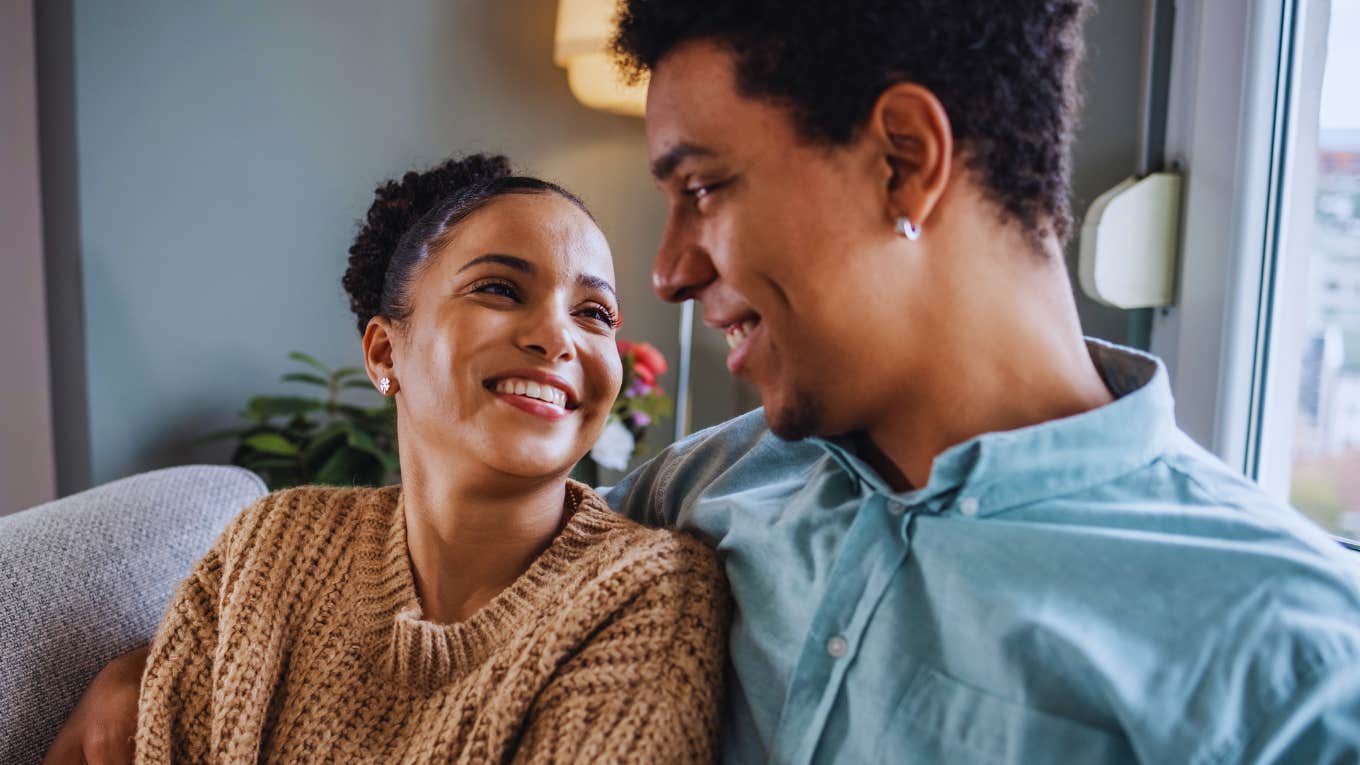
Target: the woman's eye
pixel 600 314
pixel 501 289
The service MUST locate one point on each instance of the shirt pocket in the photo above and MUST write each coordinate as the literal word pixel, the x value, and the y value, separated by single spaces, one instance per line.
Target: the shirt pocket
pixel 939 719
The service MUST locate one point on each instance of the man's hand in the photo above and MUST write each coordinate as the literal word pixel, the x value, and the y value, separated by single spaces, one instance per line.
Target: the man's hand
pixel 101 728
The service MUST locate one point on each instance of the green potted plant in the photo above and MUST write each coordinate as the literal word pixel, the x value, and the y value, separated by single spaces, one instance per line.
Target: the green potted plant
pixel 317 438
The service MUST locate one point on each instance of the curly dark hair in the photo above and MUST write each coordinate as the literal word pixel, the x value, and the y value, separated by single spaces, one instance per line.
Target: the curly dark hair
pixel 411 216
pixel 1003 69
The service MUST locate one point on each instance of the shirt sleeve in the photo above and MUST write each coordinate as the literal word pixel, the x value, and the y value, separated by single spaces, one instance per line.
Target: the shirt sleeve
pixel 647 688
pixel 659 491
pixel 174 707
pixel 1318 723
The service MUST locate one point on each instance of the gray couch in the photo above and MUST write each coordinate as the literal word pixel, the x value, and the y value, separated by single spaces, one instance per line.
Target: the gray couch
pixel 88 577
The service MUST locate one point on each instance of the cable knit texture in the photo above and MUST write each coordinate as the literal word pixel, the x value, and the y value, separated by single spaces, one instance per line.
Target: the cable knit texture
pixel 299 637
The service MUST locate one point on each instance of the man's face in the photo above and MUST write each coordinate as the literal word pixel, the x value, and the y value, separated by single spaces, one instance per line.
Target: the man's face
pixel 778 238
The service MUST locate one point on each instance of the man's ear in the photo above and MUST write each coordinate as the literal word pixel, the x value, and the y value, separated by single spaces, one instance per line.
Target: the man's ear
pixel 378 359
pixel 911 129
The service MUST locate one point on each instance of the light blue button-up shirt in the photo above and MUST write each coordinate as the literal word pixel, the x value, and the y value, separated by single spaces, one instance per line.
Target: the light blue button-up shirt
pixel 1089 590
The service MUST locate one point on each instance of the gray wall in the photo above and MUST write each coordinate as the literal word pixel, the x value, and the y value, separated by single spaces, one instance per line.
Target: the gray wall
pixel 1106 147
pixel 27 475
pixel 206 165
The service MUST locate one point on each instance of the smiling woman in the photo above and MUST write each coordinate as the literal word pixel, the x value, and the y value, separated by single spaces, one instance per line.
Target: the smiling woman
pixel 488 608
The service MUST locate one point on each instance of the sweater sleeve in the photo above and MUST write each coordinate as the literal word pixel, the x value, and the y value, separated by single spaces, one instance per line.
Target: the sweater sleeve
pixel 647 687
pixel 174 711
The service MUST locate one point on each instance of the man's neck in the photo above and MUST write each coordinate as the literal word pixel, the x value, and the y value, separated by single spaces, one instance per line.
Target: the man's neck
pixel 1015 357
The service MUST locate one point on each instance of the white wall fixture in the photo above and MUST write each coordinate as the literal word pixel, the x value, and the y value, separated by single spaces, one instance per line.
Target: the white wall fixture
pixel 584 28
pixel 1129 243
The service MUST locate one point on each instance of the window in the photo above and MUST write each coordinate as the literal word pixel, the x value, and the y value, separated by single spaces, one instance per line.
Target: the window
pixel 1264 119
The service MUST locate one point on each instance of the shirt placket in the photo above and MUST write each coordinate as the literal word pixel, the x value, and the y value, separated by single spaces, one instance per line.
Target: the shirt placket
pixel 872 554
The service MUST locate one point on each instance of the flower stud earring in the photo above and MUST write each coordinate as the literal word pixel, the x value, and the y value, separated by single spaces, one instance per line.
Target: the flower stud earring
pixel 384 385
pixel 905 228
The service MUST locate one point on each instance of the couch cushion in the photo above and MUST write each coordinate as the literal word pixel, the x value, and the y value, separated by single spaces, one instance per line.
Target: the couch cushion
pixel 88 577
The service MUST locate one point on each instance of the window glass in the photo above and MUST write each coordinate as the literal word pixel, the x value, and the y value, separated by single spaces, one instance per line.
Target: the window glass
pixel 1325 471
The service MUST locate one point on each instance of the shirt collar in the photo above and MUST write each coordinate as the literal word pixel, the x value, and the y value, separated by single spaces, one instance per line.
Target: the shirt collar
pixel 998 471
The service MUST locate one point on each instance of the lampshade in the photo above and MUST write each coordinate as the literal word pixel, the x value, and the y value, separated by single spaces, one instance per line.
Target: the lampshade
pixel 584 28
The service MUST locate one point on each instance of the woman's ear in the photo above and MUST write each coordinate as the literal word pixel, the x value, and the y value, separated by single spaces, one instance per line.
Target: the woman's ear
pixel 378 357
pixel 912 132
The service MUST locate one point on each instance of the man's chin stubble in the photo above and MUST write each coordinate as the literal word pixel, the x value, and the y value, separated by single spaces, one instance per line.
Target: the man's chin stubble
pixel 797 420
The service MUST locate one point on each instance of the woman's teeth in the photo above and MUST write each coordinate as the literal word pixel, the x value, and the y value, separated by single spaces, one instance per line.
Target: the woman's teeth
pixel 738 332
pixel 531 389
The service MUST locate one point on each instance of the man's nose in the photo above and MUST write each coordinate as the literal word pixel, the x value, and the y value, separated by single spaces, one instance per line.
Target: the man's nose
pixel 683 267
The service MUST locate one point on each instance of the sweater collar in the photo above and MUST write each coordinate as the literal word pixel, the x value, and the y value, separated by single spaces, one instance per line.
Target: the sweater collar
pixel 424 654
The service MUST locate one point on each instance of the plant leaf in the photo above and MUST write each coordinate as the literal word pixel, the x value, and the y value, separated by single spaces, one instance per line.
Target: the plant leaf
pixel 360 384
pixel 264 407
pixel 271 443
pixel 344 468
pixel 344 372
pixel 364 442
pixel 310 361
pixel 322 444
pixel 306 378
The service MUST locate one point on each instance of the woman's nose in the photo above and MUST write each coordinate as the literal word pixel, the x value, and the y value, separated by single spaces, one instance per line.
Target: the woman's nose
pixel 549 334
pixel 683 267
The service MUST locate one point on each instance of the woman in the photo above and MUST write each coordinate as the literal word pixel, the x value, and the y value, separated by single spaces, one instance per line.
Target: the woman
pixel 487 609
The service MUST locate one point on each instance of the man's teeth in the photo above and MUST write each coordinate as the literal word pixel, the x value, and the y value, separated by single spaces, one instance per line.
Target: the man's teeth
pixel 531 389
pixel 738 332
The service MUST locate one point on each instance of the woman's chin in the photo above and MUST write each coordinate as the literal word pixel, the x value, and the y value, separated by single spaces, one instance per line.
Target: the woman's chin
pixel 532 466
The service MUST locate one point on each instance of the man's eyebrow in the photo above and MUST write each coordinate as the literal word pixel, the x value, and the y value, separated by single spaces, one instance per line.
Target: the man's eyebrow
pixel 664 165
pixel 595 282
pixel 509 261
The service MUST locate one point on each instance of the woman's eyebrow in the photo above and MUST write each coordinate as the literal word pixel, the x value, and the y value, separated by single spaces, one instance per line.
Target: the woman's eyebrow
pixel 595 282
pixel 509 261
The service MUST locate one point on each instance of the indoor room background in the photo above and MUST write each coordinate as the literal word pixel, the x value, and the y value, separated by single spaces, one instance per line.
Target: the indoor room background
pixel 187 178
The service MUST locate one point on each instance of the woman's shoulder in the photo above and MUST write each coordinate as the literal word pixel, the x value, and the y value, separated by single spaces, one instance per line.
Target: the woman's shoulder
pixel 644 551
pixel 308 513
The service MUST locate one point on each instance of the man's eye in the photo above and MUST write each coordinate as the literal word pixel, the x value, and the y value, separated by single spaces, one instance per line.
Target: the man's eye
pixel 700 192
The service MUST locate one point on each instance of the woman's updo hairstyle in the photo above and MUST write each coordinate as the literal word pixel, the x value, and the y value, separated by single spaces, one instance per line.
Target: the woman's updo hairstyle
pixel 410 217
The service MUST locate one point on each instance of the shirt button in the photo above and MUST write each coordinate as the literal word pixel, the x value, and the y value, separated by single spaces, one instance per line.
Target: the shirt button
pixel 837 647
pixel 968 506
pixel 896 508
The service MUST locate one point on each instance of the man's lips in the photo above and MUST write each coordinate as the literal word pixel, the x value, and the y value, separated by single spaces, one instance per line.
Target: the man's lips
pixel 740 336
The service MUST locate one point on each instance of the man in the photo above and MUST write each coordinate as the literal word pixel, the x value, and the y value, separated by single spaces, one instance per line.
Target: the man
pixel 993 543
pixel 958 532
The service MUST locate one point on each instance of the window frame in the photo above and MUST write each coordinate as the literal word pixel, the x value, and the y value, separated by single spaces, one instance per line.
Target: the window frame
pixel 1232 110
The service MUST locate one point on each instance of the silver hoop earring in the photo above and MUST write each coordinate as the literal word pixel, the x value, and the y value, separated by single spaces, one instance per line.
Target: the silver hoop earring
pixel 384 385
pixel 905 228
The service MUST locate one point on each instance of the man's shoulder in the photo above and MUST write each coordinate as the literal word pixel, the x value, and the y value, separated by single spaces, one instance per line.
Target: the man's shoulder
pixel 739 455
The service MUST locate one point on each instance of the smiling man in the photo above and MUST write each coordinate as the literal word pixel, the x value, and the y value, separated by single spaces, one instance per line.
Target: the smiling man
pixel 958 531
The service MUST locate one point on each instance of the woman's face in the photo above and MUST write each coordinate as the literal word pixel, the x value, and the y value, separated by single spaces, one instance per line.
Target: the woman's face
pixel 508 357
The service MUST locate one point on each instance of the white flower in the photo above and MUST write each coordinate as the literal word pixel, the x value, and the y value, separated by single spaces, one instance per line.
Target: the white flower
pixel 614 446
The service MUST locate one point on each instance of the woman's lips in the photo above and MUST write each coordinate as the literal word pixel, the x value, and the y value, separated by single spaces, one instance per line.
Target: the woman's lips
pixel 533 406
pixel 536 392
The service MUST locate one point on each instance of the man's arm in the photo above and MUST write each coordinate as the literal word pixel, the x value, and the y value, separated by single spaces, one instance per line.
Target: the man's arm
pixel 659 492
pixel 1319 722
pixel 101 728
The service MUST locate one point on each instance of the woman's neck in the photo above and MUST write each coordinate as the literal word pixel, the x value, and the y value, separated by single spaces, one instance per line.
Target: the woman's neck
pixel 470 538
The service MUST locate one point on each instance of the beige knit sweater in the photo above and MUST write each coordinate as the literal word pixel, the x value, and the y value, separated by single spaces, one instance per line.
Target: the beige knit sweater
pixel 299 638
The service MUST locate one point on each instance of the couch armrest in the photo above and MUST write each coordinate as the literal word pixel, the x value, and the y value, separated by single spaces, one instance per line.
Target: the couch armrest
pixel 88 577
